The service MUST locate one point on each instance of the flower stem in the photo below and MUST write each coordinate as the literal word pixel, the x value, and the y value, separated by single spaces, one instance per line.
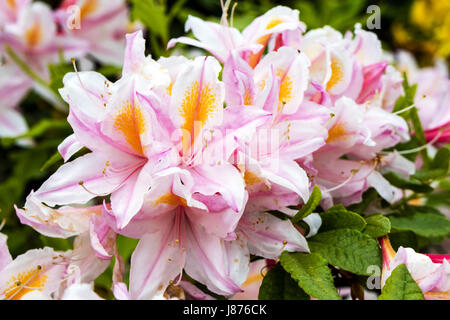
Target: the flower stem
pixel 55 99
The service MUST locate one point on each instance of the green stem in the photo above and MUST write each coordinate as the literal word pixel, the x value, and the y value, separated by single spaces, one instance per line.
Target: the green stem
pixel 60 104
pixel 418 132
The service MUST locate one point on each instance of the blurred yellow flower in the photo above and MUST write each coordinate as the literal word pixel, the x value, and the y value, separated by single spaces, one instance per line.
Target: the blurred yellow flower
pixel 432 18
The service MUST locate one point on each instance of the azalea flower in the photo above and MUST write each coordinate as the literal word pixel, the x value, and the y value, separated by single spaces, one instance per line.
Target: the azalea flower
pixel 94 241
pixel 166 168
pixel 431 272
pixel 101 27
pixel 360 133
pixel 34 38
pixel 220 39
pixel 9 10
pixel 432 97
pixel 39 269
pixel 13 87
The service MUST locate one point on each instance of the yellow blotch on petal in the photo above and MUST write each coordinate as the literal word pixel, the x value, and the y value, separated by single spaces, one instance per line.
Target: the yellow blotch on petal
pixel 25 282
pixel 273 23
pixel 131 123
pixel 33 35
pixel 285 94
pixel 250 178
pixel 197 107
pixel 336 73
pixel 255 57
pixel 171 199
pixel 336 133
pixel 12 4
pixel 169 89
pixel 248 100
pixel 87 8
pixel 254 278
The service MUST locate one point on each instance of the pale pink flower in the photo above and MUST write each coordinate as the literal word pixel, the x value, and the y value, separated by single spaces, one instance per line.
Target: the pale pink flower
pixel 221 40
pixel 432 96
pixel 94 243
pixel 100 27
pixel 34 37
pixel 40 269
pixel 14 85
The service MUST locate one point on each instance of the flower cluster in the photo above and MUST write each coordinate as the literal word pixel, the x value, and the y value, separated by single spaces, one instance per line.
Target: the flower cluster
pixel 32 36
pixel 191 157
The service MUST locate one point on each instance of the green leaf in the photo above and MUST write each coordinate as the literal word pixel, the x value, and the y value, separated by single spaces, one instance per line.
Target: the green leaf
pixel 368 196
pixel 39 129
pixel 152 15
pixel 110 71
pixel 401 286
pixel 347 249
pixel 57 73
pixel 429 174
pixel 438 167
pixel 403 183
pixel 310 206
pixel 406 239
pixel 441 159
pixel 312 274
pixel 423 224
pixel 377 226
pixel 419 134
pixel 338 217
pixel 56 157
pixel 278 285
pixel 418 130
pixel 408 99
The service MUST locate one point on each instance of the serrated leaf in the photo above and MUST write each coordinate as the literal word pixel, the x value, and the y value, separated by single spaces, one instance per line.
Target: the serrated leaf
pixel 279 285
pixel 347 249
pixel 312 274
pixel 401 286
pixel 377 226
pixel 403 183
pixel 338 217
pixel 310 206
pixel 423 224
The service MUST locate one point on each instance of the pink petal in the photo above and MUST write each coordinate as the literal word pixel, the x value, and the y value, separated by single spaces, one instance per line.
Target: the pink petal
pixel 5 256
pixel 156 261
pixel 79 181
pixel 208 260
pixel 103 238
pixel 268 235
